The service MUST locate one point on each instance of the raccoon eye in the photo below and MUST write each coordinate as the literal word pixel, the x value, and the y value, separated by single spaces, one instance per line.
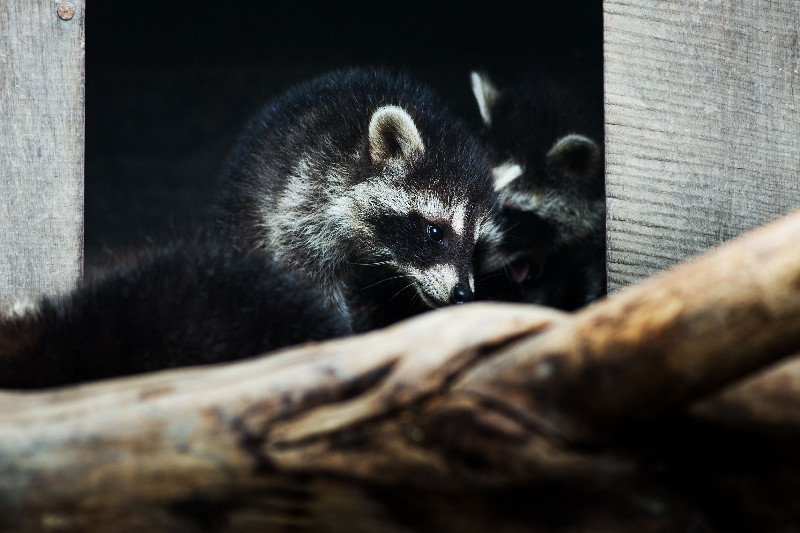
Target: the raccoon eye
pixel 435 232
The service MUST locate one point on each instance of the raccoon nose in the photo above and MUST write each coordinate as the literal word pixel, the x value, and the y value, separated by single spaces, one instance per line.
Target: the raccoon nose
pixel 460 295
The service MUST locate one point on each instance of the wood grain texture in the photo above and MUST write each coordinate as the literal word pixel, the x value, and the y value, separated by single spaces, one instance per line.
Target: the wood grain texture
pixel 41 148
pixel 702 103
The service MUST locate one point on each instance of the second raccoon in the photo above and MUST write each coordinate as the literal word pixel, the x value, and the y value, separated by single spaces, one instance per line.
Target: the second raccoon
pixel 544 134
pixel 362 181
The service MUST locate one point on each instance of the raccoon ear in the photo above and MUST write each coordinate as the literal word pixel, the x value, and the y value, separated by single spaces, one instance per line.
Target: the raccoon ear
pixel 505 174
pixel 575 156
pixel 485 93
pixel 393 135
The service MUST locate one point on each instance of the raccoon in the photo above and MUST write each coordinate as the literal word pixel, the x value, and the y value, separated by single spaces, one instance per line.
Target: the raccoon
pixel 183 303
pixel 364 182
pixel 544 137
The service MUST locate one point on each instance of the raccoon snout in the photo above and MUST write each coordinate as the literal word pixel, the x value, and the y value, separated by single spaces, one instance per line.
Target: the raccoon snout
pixel 461 295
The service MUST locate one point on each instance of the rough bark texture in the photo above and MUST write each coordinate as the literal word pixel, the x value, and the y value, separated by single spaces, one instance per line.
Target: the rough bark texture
pixel 41 148
pixel 484 417
pixel 702 122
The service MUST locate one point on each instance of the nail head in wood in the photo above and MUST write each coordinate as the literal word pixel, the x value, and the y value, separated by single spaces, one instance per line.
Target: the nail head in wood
pixel 66 10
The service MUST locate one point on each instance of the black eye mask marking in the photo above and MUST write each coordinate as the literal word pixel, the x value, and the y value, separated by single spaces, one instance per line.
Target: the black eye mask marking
pixel 415 240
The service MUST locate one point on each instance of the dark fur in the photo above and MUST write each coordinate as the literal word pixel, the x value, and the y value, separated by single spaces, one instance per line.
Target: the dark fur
pixel 527 118
pixel 184 304
pixel 328 118
pixel 212 299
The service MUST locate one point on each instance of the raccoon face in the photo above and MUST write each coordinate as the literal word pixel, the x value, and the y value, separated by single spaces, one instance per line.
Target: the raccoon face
pixel 422 218
pixel 428 245
pixel 562 192
pixel 550 185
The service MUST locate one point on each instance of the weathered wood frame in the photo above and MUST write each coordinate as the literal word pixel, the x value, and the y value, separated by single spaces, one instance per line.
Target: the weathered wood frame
pixel 462 403
pixel 702 126
pixel 41 148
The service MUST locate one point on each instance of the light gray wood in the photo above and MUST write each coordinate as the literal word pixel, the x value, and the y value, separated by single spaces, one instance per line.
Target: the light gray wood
pixel 41 148
pixel 702 125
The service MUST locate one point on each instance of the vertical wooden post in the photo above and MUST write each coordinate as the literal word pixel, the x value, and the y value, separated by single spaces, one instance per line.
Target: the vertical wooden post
pixel 41 146
pixel 702 125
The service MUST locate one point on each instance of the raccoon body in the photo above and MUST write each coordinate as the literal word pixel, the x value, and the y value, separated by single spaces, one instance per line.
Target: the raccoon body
pixel 544 135
pixel 181 304
pixel 355 200
pixel 361 181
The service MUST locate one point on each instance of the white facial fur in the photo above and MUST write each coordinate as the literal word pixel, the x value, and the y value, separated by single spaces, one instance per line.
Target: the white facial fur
pixel 437 281
pixel 384 195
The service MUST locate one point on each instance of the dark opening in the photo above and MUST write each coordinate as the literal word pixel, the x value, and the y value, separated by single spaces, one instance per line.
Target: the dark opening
pixel 169 86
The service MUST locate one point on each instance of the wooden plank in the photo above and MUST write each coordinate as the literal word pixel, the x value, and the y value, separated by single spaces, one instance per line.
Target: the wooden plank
pixel 41 148
pixel 702 125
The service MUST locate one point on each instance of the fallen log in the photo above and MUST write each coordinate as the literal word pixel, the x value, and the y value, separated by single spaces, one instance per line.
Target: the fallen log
pixel 484 417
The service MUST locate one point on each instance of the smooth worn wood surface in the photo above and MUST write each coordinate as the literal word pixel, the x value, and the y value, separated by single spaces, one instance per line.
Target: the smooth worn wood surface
pixel 482 417
pixel 702 126
pixel 41 148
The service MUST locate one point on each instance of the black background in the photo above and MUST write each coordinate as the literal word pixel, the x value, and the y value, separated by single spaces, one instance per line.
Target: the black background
pixel 168 85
